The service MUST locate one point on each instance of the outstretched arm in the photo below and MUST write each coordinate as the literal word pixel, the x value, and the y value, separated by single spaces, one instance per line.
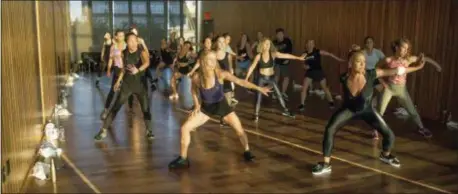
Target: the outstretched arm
pixel 326 53
pixel 419 64
pixel 253 66
pixel 414 59
pixel 287 56
pixel 244 83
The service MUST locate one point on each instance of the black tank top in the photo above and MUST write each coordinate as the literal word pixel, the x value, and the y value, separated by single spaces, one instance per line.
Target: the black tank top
pixel 173 45
pixel 183 59
pixel 166 57
pixel 268 64
pixel 313 59
pixel 133 58
pixel 224 63
pixel 241 52
pixel 106 53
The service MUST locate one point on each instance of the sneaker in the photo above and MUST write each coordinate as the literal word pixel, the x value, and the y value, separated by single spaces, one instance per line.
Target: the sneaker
pixel 179 163
pixel 301 107
pixel 234 102
pixel 425 132
pixel 390 159
pixel 288 114
pixel 248 156
pixel 153 87
pixel 101 135
pixel 149 135
pixel 321 168
pixel 256 118
pixel 173 97
pixel 97 83
pixel 374 134
pixel 285 96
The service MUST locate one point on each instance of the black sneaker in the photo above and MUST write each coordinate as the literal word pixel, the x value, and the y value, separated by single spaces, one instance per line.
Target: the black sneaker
pixel 179 163
pixel 149 135
pixel 100 135
pixel 97 83
pixel 248 156
pixel 425 132
pixel 288 114
pixel 390 159
pixel 153 87
pixel 321 168
pixel 301 107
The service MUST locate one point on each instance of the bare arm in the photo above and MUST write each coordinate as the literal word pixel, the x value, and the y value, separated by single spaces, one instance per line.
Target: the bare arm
pixel 145 60
pixel 253 66
pixel 414 59
pixel 194 91
pixel 244 83
pixel 287 56
pixel 231 64
pixel 196 66
pixel 142 42
pixel 326 53
pixel 249 50
pixel 419 64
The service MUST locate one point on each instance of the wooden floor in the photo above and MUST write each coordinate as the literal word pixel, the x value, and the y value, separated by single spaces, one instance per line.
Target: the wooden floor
pixel 286 150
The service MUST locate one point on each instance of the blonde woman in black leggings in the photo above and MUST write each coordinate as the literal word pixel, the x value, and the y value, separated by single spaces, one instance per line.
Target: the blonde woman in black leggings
pixel 358 87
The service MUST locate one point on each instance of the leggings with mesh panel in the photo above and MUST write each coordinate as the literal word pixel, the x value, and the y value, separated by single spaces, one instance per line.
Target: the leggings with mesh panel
pixel 370 116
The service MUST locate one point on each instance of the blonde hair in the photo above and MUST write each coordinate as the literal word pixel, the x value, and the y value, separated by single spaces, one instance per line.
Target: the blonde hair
pixel 203 63
pixel 354 56
pixel 260 46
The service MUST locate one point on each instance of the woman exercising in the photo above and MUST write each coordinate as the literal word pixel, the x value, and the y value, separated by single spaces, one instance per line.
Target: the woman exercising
pixel 314 72
pixel 135 62
pixel 265 59
pixel 208 82
pixel 396 85
pixel 358 87
pixel 182 67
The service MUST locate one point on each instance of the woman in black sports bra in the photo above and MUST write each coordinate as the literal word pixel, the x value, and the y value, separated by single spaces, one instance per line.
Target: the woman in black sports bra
pixel 182 66
pixel 244 55
pixel 265 59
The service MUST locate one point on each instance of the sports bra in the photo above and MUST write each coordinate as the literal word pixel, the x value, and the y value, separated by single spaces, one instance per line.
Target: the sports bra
pixel 268 64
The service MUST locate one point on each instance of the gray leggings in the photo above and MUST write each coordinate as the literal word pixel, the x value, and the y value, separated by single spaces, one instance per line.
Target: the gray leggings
pixel 399 91
pixel 268 80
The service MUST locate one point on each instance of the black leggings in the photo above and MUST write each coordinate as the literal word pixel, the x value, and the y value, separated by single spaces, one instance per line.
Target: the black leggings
pixel 268 80
pixel 343 115
pixel 129 89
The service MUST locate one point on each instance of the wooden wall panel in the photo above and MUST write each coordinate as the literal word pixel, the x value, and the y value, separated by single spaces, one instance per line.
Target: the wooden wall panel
pixel 48 54
pixel 23 74
pixel 431 25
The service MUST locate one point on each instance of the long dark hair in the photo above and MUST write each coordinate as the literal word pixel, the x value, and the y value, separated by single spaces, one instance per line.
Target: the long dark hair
pixel 240 41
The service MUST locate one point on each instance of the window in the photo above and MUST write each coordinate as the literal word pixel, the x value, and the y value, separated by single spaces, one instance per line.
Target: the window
pixel 159 22
pixel 138 7
pixel 157 7
pixel 140 21
pixel 100 6
pixel 174 7
pixel 121 22
pixel 120 7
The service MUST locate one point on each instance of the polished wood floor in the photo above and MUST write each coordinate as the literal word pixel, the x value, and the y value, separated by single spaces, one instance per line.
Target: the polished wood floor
pixel 286 150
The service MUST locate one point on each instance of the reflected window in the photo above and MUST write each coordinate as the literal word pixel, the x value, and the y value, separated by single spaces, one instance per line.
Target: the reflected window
pixel 139 7
pixel 157 7
pixel 121 22
pixel 100 6
pixel 140 21
pixel 121 7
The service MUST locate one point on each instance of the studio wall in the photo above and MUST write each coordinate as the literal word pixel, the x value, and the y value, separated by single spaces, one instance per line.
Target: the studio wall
pixel 432 26
pixel 34 54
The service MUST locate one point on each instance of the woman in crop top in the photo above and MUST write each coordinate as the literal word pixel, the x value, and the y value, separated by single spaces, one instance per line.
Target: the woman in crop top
pixel 182 66
pixel 396 85
pixel 265 60
pixel 314 72
pixel 207 46
pixel 208 82
pixel 114 66
pixel 358 87
pixel 225 63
